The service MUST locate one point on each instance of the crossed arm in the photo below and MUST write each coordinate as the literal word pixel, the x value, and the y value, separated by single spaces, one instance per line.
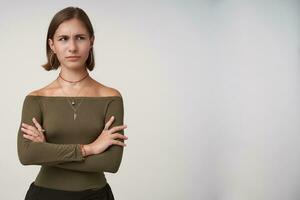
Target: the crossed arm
pixel 68 156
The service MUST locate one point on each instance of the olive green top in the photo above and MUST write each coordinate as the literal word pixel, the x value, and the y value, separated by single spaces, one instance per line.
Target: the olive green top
pixel 62 165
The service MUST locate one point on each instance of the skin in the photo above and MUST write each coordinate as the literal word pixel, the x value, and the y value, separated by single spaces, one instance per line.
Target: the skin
pixel 72 39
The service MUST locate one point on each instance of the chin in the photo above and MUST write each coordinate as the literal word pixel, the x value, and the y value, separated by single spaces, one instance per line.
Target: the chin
pixel 74 65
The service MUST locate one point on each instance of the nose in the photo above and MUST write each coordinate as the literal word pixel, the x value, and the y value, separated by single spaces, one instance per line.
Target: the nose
pixel 72 46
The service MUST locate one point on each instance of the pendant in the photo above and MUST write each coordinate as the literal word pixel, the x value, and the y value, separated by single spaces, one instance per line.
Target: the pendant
pixel 74 116
pixel 73 103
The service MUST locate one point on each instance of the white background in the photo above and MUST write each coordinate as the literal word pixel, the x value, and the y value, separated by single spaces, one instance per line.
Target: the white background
pixel 210 89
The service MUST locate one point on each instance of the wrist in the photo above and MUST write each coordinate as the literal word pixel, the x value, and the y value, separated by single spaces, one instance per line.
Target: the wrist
pixel 82 149
pixel 86 149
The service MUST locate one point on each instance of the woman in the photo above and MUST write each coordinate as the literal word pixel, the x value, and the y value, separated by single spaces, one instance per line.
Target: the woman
pixel 72 127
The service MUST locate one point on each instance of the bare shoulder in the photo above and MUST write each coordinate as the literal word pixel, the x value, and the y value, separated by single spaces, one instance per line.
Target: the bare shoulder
pixel 36 92
pixel 104 90
pixel 44 91
pixel 109 91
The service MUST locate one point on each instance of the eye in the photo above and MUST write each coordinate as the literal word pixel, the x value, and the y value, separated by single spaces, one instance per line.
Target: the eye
pixel 61 39
pixel 81 38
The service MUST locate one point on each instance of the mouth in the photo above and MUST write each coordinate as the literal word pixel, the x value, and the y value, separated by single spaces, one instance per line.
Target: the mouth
pixel 73 57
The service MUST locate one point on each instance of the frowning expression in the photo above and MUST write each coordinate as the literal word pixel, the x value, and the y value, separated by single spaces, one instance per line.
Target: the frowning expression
pixel 71 43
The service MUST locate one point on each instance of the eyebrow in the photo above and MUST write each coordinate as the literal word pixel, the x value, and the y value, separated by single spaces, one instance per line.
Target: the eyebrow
pixel 75 35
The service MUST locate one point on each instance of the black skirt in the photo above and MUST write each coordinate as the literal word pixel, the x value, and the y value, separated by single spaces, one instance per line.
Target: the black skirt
pixel 41 193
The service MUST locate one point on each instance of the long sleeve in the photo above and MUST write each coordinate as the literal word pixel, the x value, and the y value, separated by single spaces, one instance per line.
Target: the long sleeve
pixel 42 153
pixel 109 160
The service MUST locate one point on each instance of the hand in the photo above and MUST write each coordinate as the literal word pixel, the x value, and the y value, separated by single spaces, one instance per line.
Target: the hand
pixel 106 139
pixel 33 133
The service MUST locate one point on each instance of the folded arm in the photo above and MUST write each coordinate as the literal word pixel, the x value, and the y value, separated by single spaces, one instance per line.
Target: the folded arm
pixel 109 160
pixel 42 153
pixel 68 156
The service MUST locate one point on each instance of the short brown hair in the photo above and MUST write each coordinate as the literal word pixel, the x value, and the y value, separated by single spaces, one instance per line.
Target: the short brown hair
pixel 61 16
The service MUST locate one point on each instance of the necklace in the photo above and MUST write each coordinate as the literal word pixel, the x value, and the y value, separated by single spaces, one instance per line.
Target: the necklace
pixel 72 103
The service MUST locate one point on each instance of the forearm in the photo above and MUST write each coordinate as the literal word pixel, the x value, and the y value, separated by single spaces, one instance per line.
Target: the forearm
pixel 44 153
pixel 107 161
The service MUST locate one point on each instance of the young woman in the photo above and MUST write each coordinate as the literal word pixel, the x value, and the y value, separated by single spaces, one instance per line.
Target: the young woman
pixel 72 127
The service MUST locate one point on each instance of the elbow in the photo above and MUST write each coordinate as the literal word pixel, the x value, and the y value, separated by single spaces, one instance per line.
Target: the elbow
pixel 115 163
pixel 114 168
pixel 25 159
pixel 26 155
pixel 23 154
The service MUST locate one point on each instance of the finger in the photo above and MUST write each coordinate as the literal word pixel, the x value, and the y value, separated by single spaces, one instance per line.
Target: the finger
pixel 25 125
pixel 118 128
pixel 35 131
pixel 39 127
pixel 29 132
pixel 29 127
pixel 110 121
pixel 29 137
pixel 25 130
pixel 118 135
pixel 116 142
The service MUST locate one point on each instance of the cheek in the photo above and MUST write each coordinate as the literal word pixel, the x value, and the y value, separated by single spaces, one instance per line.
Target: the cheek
pixel 60 51
pixel 85 51
pixel 60 55
pixel 85 47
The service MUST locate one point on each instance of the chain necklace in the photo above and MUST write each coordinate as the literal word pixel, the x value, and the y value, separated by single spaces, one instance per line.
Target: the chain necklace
pixel 72 103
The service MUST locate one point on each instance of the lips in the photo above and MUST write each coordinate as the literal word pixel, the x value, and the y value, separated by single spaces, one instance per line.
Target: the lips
pixel 73 57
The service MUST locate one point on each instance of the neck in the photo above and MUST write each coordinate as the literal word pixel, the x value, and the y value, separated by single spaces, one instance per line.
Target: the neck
pixel 73 76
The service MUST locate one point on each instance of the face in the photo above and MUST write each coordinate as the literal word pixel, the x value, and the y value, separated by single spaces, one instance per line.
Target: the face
pixel 71 38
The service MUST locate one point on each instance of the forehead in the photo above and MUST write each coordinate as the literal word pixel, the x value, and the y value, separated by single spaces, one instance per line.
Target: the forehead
pixel 70 27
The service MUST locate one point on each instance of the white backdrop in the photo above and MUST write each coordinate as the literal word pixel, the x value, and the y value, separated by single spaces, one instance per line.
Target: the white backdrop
pixel 210 89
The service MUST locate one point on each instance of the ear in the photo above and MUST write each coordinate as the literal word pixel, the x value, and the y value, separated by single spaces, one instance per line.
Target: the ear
pixel 51 44
pixel 92 41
